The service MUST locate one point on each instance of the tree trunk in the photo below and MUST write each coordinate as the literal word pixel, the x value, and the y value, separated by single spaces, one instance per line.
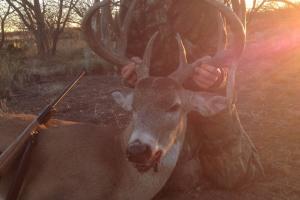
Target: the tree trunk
pixel 41 32
pixel 54 44
pixel 42 44
pixel 2 34
pixel 3 19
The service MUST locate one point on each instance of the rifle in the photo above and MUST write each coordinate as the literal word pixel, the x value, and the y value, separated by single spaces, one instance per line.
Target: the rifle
pixel 14 150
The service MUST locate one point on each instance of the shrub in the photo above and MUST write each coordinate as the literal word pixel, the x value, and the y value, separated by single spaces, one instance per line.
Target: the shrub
pixel 11 74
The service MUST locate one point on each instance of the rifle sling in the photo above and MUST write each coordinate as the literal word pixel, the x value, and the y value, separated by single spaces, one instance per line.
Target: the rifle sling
pixel 22 168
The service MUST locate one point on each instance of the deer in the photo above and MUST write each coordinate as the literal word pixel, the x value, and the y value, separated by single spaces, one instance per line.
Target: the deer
pixel 73 160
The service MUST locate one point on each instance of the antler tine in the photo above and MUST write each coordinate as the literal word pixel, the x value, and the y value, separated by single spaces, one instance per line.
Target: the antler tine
pixel 182 52
pixel 97 45
pixel 143 70
pixel 228 56
pixel 184 69
pixel 240 9
pixel 222 34
pixel 225 57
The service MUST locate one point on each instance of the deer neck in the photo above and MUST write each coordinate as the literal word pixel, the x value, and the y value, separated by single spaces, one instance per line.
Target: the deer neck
pixel 135 185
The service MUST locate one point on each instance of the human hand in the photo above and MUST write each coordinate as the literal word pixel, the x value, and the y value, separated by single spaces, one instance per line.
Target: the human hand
pixel 206 75
pixel 128 72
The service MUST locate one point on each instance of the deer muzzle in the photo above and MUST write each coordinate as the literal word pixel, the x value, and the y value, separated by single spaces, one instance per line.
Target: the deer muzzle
pixel 142 156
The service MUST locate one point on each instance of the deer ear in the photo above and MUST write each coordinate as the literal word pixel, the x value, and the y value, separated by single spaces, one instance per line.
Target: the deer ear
pixel 207 104
pixel 123 99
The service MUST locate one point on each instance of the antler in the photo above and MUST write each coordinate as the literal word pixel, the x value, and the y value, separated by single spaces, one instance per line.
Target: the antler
pixel 99 43
pixel 222 33
pixel 143 70
pixel 222 57
pixel 118 56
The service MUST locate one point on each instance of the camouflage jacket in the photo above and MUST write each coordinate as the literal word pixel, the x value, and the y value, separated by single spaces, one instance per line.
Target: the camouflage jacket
pixel 194 20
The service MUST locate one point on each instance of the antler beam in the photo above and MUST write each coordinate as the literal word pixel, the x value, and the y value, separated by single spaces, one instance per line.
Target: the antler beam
pixel 97 44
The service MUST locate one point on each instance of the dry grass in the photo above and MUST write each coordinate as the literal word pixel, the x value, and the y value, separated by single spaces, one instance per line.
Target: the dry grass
pixel 12 74
pixel 270 111
pixel 72 56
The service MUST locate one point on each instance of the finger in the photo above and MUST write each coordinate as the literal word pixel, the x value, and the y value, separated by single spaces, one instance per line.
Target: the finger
pixel 204 81
pixel 123 71
pixel 202 84
pixel 202 73
pixel 126 67
pixel 127 70
pixel 137 60
pixel 211 69
pixel 132 80
pixel 205 78
pixel 128 73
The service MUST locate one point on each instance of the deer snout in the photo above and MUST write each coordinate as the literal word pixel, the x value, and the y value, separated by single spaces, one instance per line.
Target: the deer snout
pixel 139 152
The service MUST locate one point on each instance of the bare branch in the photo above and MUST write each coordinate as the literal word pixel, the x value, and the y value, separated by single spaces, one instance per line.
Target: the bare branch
pixel 3 21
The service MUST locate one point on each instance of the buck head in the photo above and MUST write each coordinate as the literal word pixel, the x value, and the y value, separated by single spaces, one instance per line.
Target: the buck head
pixel 160 105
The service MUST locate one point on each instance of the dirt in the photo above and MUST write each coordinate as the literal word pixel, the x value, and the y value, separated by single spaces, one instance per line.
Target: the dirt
pixel 90 101
pixel 269 107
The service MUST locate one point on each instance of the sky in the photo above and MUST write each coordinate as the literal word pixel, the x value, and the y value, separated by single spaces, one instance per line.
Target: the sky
pixel 249 2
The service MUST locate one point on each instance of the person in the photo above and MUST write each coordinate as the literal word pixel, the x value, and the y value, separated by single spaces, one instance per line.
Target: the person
pixel 227 155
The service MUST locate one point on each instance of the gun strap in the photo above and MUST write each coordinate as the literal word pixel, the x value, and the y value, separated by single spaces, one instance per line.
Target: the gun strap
pixel 22 168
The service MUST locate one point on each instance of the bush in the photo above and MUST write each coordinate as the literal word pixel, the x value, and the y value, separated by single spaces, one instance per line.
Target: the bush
pixel 11 74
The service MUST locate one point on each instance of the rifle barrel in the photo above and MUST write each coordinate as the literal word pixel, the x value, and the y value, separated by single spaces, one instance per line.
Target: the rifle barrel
pixel 13 151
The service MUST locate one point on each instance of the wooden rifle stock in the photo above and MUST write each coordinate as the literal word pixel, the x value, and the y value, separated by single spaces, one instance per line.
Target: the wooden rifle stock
pixel 15 149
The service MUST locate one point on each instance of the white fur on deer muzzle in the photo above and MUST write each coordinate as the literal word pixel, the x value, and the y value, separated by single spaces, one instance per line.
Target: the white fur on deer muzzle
pixel 144 137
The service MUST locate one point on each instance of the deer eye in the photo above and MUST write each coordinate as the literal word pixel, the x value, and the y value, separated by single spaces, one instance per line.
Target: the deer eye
pixel 174 108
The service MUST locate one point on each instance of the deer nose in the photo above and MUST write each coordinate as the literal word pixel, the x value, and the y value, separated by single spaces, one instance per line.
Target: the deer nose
pixel 138 152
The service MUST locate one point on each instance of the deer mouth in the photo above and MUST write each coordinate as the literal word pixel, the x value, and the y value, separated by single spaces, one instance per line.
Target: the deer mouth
pixel 152 163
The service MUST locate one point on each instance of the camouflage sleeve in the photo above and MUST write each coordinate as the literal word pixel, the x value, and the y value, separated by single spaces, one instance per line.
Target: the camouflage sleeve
pixel 171 17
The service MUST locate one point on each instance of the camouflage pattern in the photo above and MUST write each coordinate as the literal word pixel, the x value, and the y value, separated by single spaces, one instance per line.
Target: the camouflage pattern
pixel 189 18
pixel 227 155
pixel 224 153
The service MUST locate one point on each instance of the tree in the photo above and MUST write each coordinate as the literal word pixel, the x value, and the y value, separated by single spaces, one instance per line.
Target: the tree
pixel 264 5
pixel 5 11
pixel 45 19
pixel 58 19
pixel 81 8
